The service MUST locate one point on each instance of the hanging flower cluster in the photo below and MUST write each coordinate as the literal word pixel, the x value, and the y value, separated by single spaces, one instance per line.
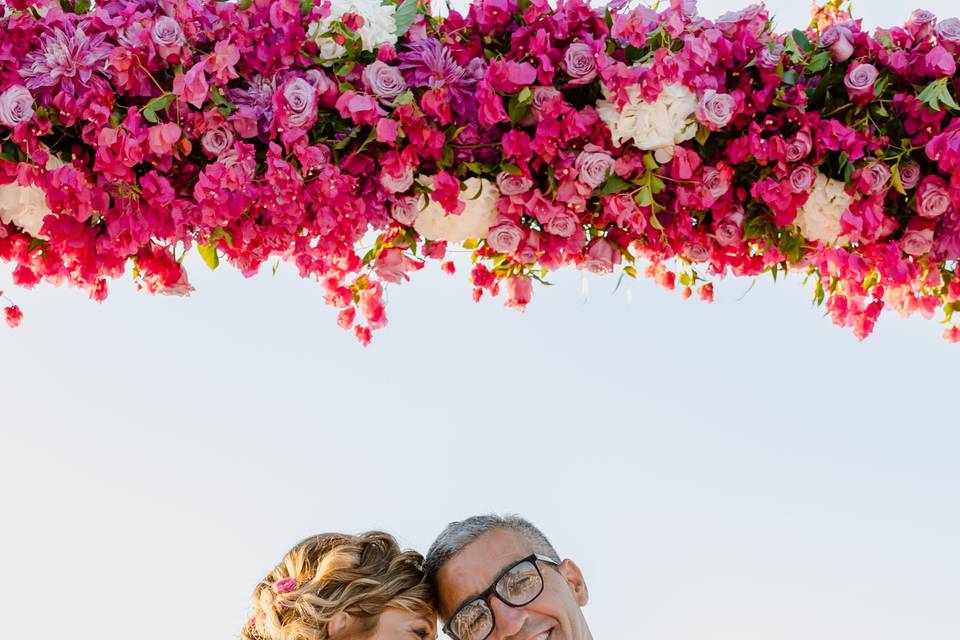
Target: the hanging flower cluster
pixel 538 136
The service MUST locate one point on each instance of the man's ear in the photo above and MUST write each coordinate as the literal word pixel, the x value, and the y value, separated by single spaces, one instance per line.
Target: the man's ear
pixel 338 624
pixel 574 577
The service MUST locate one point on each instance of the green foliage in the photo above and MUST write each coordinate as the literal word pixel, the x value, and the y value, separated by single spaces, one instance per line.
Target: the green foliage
pixel 404 16
pixel 937 93
pixel 209 254
pixel 159 103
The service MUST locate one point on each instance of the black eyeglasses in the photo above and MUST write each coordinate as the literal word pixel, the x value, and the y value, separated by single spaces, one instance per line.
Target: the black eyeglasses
pixel 518 586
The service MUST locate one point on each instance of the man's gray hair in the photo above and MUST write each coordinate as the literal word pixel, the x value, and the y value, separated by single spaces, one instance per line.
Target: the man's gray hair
pixel 458 535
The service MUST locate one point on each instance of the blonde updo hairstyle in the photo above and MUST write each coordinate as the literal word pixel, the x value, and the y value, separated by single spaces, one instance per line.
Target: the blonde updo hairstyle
pixel 336 573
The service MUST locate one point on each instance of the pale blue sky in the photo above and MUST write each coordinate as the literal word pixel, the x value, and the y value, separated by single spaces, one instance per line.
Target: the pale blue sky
pixel 743 470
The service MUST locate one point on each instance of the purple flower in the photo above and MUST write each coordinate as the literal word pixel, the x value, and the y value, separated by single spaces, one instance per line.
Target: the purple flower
pixel 933 198
pixel 216 141
pixel 404 209
pixel 802 178
pixel 860 81
pixel 16 106
pixel 594 167
pixel 301 100
pixel 384 81
pixel 839 39
pixel 166 32
pixel 946 243
pixel 511 185
pixel 65 62
pixel 579 64
pixel 504 237
pixel 875 176
pixel 258 96
pixel 397 183
pixel 910 175
pixel 427 63
pixel 769 58
pixel 716 109
pixel 799 147
pixel 948 32
pixel 920 24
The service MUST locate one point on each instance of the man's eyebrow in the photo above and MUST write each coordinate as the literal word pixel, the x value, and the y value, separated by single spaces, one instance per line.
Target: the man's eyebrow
pixel 500 574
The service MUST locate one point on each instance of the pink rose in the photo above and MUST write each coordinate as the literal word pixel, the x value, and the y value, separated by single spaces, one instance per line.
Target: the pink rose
pixel 728 230
pixel 594 167
pixel 839 40
pixel 770 58
pixel 216 141
pixel 601 257
pixel 284 585
pixel 504 237
pixel 697 251
pixel 933 199
pixel 405 209
pixel 542 95
pixel 799 146
pixel 362 109
pixel 948 32
pixel 579 63
pixel 384 81
pixel 564 223
pixel 519 290
pixel 300 100
pixel 874 177
pixel 511 185
pixel 802 178
pixel 716 109
pixel 397 183
pixel 860 82
pixel 918 238
pixel 716 182
pixel 910 175
pixel 940 62
pixel 16 106
pixel 168 36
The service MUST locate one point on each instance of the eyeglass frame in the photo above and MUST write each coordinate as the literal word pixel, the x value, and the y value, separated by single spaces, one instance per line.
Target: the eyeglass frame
pixel 533 558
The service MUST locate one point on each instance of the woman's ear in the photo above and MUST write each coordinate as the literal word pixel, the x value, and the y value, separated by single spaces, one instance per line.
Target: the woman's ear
pixel 574 577
pixel 338 624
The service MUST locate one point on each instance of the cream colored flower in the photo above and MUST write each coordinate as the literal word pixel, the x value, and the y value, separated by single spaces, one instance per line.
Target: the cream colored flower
pixel 819 218
pixel 26 207
pixel 478 215
pixel 653 126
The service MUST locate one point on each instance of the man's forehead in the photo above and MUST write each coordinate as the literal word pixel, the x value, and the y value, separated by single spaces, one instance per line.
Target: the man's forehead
pixel 473 569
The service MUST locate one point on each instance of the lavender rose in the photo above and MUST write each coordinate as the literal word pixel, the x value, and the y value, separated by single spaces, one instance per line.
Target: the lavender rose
pixel 16 106
pixel 397 184
pixel 696 252
pixel 300 96
pixel 920 24
pixel 166 32
pixel 504 237
pixel 511 185
pixel 716 109
pixel 933 199
pixel 579 63
pixel 948 32
pixel 541 95
pixel 216 141
pixel 802 178
pixel 860 81
pixel 839 40
pixel 910 175
pixel 384 81
pixel 799 146
pixel 728 231
pixel 769 58
pixel 594 167
pixel 715 182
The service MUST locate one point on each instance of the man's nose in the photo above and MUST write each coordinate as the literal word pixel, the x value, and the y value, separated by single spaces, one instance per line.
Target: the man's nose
pixel 509 620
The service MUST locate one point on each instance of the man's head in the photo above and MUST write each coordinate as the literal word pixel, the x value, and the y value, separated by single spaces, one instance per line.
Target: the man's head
pixel 470 557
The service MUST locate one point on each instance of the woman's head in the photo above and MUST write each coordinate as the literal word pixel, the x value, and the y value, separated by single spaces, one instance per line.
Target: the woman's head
pixel 336 586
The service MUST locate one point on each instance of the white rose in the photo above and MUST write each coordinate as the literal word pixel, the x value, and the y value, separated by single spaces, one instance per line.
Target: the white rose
pixel 478 215
pixel 26 207
pixel 819 218
pixel 379 26
pixel 653 126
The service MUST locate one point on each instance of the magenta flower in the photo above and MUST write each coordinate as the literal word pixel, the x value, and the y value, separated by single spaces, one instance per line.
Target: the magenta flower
pixel 65 62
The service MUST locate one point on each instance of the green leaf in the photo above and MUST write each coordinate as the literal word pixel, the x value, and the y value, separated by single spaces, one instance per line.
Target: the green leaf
pixel 801 39
pixel 819 62
pixel 703 134
pixel 404 98
pixel 649 162
pixel 654 222
pixel 305 6
pixel 790 77
pixel 896 180
pixel 404 15
pixel 930 95
pixel 615 184
pixel 209 254
pixel 512 169
pixel 35 243
pixel 644 198
pixel 946 98
pixel 630 271
pixel 525 96
pixel 517 110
